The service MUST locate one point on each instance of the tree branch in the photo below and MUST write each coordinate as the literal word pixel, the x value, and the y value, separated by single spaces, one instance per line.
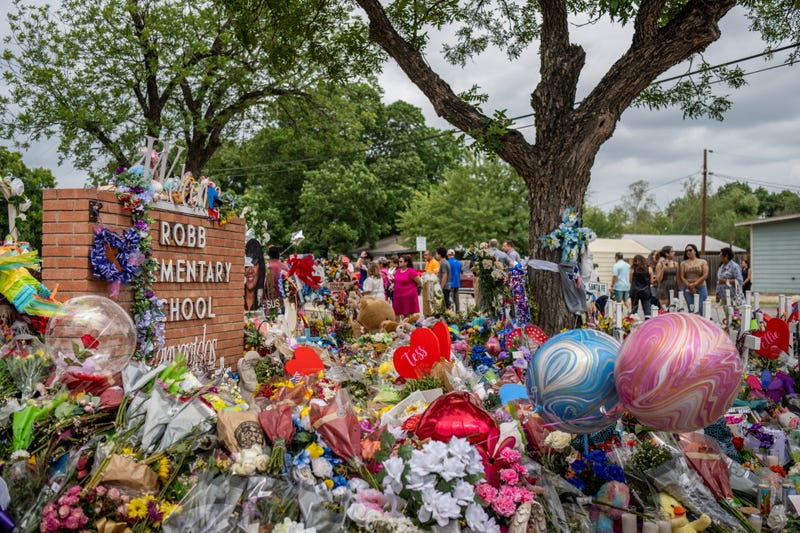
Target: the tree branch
pixel 646 24
pixel 512 147
pixel 561 65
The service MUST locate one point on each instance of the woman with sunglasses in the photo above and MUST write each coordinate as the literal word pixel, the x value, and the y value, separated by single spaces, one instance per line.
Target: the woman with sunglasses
pixel 406 286
pixel 692 275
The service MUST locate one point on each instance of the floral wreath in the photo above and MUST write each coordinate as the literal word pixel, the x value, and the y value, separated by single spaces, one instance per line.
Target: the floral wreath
pixel 127 264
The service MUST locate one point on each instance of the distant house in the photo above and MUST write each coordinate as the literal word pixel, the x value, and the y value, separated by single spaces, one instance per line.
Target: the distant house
pixel 392 245
pixel 775 253
pixel 603 251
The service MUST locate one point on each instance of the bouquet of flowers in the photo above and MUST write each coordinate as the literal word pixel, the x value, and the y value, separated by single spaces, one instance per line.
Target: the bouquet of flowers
pixel 436 482
pixel 27 362
pixel 492 280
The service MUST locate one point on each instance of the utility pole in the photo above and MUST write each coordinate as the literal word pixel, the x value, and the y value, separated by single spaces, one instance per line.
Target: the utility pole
pixel 705 194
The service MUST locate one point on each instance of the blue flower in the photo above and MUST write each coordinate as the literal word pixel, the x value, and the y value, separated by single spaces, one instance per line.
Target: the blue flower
pixel 339 481
pixel 302 459
pixel 601 470
pixel 616 473
pixel 597 456
pixel 578 466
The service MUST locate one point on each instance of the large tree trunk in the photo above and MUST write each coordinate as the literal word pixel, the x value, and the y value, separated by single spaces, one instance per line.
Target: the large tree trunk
pixel 556 169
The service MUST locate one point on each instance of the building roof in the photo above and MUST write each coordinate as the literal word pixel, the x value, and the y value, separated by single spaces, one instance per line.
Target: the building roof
pixel 678 242
pixel 782 218
pixel 628 247
pixel 391 245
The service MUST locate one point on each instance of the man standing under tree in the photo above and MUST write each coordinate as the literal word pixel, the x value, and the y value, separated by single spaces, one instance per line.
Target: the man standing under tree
pixel 444 275
pixel 455 278
pixel 513 254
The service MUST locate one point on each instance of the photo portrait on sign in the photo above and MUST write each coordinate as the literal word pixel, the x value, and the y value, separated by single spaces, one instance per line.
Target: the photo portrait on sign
pixel 254 272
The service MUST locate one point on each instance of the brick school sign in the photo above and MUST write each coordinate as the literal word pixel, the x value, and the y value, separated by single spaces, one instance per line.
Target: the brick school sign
pixel 200 275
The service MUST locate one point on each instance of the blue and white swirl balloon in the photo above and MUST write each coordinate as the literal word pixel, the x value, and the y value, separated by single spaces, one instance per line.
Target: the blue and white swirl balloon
pixel 571 380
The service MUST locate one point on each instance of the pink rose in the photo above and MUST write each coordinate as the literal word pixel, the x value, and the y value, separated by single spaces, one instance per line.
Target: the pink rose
pixel 113 493
pixel 487 492
pixel 71 523
pixel 504 506
pixel 101 490
pixel 510 454
pixel 507 475
pixel 64 511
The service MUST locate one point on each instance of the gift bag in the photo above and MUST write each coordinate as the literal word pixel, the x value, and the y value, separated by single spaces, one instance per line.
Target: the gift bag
pixel 239 430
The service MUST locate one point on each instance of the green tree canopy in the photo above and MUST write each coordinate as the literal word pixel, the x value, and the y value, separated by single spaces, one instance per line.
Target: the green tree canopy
pixel 100 75
pixel 35 180
pixel 481 200
pixel 343 124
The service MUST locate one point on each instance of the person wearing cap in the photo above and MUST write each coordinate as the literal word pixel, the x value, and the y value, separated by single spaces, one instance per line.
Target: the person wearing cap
pixel 253 275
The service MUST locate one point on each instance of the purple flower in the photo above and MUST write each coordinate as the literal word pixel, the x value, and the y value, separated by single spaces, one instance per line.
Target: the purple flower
pixel 154 514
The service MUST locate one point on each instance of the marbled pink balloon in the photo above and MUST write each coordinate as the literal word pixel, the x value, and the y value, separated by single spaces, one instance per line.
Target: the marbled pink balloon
pixel 678 372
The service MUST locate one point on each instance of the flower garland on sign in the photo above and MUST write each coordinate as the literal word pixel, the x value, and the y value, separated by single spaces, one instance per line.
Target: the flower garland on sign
pixel 135 193
pixel 127 260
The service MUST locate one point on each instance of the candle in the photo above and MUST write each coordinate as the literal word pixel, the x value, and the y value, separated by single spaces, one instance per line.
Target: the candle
pixel 747 296
pixel 781 304
pixel 707 309
pixel 728 298
pixel 619 315
pixel 696 303
pixel 649 527
pixel 653 310
pixel 628 523
pixel 756 301
pixel 221 363
pixel 671 295
pixel 772 460
pixel 664 526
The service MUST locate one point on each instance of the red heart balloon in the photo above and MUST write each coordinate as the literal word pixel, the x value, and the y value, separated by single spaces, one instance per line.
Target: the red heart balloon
pixel 305 362
pixel 774 339
pixel 414 361
pixel 442 333
pixel 456 414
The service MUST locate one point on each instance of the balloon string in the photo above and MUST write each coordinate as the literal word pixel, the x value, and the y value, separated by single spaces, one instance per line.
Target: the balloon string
pixel 582 419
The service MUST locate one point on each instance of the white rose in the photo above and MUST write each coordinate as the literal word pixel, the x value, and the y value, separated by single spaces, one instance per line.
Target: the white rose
pixel 357 512
pixel 321 468
pixel 558 440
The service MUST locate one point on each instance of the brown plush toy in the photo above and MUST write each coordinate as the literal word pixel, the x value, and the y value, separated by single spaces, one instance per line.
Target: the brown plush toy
pixel 372 312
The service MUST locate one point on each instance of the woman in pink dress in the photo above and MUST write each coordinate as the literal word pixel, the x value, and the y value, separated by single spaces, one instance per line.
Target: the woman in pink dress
pixel 406 283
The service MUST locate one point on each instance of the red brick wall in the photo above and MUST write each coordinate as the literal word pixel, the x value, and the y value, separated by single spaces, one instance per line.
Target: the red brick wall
pixel 68 236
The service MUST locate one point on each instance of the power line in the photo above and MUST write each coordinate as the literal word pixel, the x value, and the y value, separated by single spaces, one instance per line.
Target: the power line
pixel 757 182
pixel 720 65
pixel 670 182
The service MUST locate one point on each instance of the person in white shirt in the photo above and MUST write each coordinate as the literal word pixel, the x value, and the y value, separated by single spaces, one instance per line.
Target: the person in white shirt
pixel 373 285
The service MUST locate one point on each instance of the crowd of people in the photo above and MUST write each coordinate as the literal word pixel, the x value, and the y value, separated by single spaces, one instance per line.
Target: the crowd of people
pixel 655 282
pixel 391 278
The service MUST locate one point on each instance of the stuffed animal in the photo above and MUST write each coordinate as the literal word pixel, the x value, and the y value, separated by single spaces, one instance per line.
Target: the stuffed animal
pixel 406 325
pixel 676 514
pixel 613 493
pixel 372 312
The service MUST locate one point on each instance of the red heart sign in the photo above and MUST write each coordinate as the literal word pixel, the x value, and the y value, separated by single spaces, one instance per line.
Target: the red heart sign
pixel 774 340
pixel 305 362
pixel 533 333
pixel 414 361
pixel 442 333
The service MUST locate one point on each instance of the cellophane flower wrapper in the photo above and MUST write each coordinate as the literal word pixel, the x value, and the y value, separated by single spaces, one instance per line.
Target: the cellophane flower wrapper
pixel 160 408
pixel 677 479
pixel 562 502
pixel 28 362
pixel 743 480
pixel 316 507
pixel 209 506
pixel 194 417
pixel 267 501
pixel 704 456
pixel 338 425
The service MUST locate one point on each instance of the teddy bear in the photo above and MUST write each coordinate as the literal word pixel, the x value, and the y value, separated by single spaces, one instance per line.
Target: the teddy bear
pixel 406 325
pixel 615 494
pixel 676 514
pixel 372 312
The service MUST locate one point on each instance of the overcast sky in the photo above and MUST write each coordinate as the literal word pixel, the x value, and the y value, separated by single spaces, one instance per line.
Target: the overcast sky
pixel 759 141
